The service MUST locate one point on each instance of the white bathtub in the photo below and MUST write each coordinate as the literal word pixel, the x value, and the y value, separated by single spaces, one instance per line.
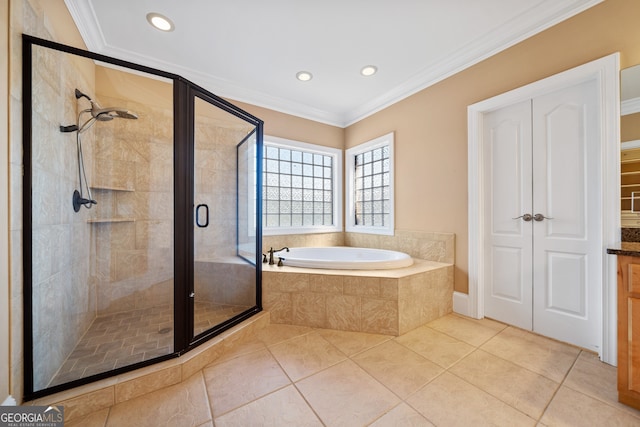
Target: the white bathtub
pixel 345 258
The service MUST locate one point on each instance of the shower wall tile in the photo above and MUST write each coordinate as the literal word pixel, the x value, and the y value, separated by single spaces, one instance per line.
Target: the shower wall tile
pixel 118 174
pixel 153 234
pixel 15 195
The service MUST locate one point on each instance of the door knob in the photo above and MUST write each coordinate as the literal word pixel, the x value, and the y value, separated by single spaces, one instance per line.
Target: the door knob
pixel 525 217
pixel 540 217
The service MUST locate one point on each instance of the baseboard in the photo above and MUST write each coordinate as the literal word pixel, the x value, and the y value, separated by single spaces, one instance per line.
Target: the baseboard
pixel 9 401
pixel 461 303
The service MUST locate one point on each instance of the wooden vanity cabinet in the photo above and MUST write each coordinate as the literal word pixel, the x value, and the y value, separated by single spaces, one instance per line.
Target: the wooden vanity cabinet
pixel 629 330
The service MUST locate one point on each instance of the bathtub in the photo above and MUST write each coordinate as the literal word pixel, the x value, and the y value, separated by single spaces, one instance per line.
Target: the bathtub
pixel 344 258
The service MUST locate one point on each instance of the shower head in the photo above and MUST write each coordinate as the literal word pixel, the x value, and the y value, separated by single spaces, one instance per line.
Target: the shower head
pixel 106 114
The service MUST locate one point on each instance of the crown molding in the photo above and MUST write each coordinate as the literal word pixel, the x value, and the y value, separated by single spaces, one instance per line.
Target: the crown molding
pixel 535 20
pixel 542 15
pixel 630 106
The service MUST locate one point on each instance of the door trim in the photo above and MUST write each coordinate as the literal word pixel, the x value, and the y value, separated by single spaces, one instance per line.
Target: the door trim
pixel 606 71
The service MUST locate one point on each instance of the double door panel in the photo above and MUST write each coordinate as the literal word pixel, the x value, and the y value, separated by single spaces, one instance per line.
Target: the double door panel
pixel 542 213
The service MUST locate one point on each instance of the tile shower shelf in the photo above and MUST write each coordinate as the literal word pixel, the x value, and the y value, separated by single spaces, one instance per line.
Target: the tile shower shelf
pixel 111 188
pixel 109 220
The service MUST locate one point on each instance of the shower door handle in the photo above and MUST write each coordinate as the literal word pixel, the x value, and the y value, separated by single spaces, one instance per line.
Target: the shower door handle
pixel 206 216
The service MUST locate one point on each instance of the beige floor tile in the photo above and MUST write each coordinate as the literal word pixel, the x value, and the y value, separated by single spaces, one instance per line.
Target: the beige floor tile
pixel 239 381
pixel 542 355
pixel 345 395
pixel 401 370
pixel 351 343
pixel 597 379
pixel 305 355
pixel 207 424
pixel 402 416
pixel 285 407
pixel 524 390
pixel 180 405
pixel 95 419
pixel 435 346
pixel 572 408
pixel 275 333
pixel 451 401
pixel 471 331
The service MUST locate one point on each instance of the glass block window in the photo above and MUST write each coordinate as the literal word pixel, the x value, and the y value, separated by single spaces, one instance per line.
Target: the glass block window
pixel 370 192
pixel 301 187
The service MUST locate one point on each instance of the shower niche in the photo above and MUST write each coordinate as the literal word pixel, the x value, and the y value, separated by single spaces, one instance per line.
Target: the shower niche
pixel 142 224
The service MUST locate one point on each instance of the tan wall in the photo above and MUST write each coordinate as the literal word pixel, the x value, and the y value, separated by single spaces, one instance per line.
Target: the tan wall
pixel 431 126
pixel 630 127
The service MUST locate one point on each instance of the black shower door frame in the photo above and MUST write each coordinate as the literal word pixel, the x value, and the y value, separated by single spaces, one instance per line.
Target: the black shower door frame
pixel 184 93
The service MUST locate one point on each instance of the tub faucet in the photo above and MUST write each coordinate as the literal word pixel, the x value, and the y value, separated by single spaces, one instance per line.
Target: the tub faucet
pixel 271 252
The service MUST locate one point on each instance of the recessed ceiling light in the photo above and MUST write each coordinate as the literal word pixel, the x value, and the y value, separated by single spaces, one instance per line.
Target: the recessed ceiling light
pixel 304 76
pixel 369 70
pixel 160 22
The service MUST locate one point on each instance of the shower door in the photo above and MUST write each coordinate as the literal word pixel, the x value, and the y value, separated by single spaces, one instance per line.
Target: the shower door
pixel 141 216
pixel 225 237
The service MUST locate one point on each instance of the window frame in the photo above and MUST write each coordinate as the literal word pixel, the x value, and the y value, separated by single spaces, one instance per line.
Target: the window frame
pixel 337 166
pixel 350 210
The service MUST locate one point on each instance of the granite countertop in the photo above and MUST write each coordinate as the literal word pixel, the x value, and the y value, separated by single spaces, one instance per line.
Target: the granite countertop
pixel 625 248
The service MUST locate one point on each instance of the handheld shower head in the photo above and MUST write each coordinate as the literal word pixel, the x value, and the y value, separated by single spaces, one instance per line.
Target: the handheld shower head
pixel 109 113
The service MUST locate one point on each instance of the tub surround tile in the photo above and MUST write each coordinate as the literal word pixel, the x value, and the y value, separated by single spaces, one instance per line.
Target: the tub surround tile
pixel 309 309
pixel 379 316
pixel 381 301
pixel 344 312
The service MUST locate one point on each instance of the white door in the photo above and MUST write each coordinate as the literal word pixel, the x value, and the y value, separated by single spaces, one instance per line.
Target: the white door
pixel 545 274
pixel 508 248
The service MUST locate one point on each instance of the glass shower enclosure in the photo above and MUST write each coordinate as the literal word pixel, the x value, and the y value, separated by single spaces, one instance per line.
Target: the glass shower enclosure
pixel 141 216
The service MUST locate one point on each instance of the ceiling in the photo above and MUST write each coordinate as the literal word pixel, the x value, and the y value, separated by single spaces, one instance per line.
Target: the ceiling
pixel 251 50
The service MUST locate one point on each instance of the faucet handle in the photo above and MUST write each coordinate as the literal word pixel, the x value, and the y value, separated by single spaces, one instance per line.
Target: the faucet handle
pixel 264 258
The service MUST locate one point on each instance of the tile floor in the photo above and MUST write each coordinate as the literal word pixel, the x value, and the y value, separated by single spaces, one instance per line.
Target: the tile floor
pixel 452 372
pixel 124 338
